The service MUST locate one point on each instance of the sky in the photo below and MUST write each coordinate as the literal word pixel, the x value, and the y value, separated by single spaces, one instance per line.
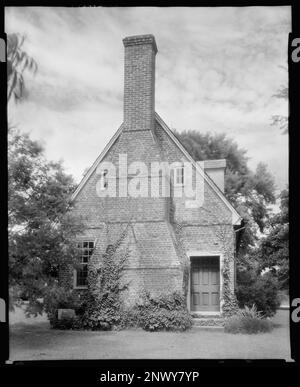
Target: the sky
pixel 217 70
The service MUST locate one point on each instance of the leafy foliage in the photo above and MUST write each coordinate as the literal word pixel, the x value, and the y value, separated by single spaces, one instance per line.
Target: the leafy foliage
pixel 250 312
pixel 17 62
pixel 277 119
pixel 248 321
pixel 273 250
pixel 104 304
pixel 60 298
pixel 230 304
pixel 164 312
pixel 261 290
pixel 42 231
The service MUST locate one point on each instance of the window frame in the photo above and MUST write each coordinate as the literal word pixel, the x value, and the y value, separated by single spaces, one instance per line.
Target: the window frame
pixel 103 180
pixel 176 169
pixel 80 245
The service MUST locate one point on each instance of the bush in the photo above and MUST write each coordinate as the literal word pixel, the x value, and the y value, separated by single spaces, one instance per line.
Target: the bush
pixel 249 321
pixel 61 298
pixel 261 290
pixel 98 318
pixel 164 319
pixel 164 312
pixel 64 323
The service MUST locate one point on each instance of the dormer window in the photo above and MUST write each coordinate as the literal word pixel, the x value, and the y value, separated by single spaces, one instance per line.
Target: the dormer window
pixel 179 176
pixel 103 180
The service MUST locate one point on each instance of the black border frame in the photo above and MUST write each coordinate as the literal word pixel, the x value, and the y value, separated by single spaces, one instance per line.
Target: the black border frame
pixel 77 370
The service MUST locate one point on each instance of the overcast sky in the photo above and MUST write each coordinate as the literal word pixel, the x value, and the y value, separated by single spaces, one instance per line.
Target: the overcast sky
pixel 217 70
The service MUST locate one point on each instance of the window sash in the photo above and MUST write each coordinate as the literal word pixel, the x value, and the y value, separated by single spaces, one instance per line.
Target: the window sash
pixel 81 273
pixel 179 176
pixel 81 276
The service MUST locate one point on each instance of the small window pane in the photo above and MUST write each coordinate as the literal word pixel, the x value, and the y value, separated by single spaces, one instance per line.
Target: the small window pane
pixel 86 248
pixel 179 176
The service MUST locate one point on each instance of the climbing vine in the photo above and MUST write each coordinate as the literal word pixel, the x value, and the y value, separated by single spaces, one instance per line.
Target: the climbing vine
pixel 230 304
pixel 184 261
pixel 103 304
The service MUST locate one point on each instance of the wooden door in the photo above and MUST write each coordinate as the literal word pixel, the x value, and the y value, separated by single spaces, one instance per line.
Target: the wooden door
pixel 205 284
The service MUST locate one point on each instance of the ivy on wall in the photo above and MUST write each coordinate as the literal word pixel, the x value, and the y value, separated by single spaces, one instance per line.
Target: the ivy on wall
pixel 105 285
pixel 229 301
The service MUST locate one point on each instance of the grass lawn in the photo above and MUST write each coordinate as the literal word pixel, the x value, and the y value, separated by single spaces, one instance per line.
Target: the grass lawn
pixel 32 339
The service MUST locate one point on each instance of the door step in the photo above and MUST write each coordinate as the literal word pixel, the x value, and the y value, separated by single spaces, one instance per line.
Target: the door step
pixel 208 322
pixel 208 315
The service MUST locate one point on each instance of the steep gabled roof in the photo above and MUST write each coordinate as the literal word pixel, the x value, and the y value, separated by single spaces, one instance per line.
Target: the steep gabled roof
pixel 236 218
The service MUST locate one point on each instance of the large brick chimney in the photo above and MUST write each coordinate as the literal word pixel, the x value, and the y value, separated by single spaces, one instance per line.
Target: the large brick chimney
pixel 139 87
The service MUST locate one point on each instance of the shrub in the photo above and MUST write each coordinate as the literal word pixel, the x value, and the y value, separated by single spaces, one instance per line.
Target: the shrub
pixel 64 323
pixel 261 290
pixel 250 312
pixel 61 298
pixel 164 312
pixel 248 320
pixel 130 318
pixel 164 319
pixel 97 317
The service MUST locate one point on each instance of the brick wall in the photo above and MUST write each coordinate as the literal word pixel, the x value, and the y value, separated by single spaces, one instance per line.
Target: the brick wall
pixel 153 263
pixel 139 85
pixel 154 260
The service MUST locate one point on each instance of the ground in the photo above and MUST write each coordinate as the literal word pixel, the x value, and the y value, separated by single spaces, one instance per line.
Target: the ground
pixel 34 340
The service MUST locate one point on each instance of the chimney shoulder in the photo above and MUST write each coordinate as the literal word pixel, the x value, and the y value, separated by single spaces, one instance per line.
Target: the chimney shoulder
pixel 216 171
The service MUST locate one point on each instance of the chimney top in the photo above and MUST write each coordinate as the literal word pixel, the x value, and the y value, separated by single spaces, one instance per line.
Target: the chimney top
pixel 139 82
pixel 140 39
pixel 220 163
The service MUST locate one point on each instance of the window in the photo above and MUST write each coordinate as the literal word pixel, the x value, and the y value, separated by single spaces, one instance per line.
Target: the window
pixel 86 249
pixel 179 176
pixel 103 180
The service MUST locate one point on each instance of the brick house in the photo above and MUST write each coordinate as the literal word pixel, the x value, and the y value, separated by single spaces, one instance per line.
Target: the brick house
pixel 174 241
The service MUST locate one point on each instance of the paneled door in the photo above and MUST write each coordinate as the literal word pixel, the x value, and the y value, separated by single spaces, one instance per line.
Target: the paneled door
pixel 205 284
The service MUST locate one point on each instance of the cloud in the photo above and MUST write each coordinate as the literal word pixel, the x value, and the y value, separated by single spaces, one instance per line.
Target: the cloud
pixel 217 70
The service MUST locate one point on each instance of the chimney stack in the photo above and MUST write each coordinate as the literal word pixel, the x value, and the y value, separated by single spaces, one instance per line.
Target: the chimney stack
pixel 139 85
pixel 216 171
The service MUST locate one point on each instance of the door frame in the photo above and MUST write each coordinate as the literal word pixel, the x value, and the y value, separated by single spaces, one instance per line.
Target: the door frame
pixel 195 254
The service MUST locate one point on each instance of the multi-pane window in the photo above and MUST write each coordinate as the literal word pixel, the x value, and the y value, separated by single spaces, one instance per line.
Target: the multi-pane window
pixel 86 250
pixel 179 176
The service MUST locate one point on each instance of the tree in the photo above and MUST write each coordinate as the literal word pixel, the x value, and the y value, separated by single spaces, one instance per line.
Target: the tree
pixel 17 62
pixel 273 251
pixel 42 231
pixel 277 119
